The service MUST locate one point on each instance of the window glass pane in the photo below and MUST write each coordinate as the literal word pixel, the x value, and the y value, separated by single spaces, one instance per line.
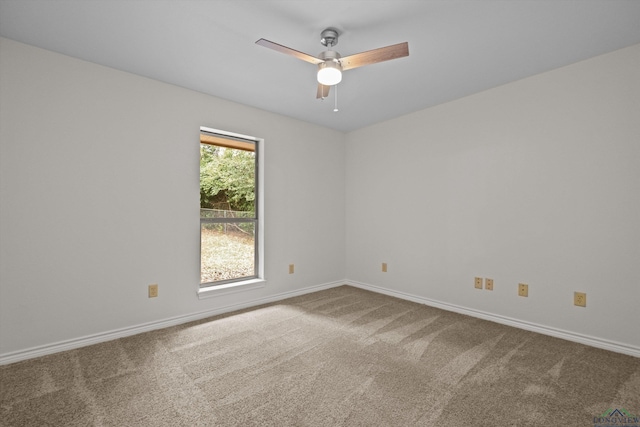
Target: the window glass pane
pixel 227 251
pixel 227 179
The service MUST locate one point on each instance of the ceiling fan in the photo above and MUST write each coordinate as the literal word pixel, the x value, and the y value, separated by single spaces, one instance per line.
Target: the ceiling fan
pixel 331 64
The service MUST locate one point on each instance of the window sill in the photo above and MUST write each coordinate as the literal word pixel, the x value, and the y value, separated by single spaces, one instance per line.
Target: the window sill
pixel 230 288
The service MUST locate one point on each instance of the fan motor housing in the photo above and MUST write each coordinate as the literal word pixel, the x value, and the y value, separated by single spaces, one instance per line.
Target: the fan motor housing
pixel 329 55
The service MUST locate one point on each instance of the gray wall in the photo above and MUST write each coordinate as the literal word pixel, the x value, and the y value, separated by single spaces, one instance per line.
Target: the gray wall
pixel 100 196
pixel 537 181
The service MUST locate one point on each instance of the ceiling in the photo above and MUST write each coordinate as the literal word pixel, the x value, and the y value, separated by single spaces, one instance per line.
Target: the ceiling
pixel 457 48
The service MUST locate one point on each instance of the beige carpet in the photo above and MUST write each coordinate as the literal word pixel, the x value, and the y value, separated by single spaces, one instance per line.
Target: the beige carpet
pixel 340 357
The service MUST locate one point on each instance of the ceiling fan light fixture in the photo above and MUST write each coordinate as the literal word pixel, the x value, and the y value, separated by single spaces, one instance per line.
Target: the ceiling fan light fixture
pixel 329 73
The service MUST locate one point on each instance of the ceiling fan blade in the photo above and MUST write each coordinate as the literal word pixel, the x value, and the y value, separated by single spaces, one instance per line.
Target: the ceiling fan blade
pixel 323 91
pixel 376 55
pixel 289 51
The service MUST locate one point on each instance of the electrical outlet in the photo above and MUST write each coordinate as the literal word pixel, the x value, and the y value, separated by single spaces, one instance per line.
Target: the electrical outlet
pixel 580 299
pixel 488 284
pixel 478 283
pixel 291 268
pixel 384 267
pixel 523 289
pixel 153 290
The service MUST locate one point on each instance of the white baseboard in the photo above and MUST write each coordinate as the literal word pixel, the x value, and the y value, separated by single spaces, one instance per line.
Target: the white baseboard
pixel 545 330
pixel 71 344
pixel 44 350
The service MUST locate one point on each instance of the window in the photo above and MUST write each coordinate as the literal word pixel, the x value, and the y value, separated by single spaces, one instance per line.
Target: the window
pixel 230 213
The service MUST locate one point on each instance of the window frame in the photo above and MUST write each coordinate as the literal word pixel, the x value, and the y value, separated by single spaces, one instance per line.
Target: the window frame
pixel 238 141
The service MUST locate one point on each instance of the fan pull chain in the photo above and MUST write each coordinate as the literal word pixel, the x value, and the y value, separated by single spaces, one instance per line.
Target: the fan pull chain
pixel 335 108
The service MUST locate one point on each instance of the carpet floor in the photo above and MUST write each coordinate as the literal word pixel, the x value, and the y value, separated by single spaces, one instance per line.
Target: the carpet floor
pixel 339 357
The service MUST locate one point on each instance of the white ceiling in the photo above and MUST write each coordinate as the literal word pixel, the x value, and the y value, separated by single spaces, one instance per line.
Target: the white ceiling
pixel 457 48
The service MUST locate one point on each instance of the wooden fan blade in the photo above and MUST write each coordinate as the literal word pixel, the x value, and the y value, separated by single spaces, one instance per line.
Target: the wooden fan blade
pixel 376 55
pixel 323 91
pixel 289 51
